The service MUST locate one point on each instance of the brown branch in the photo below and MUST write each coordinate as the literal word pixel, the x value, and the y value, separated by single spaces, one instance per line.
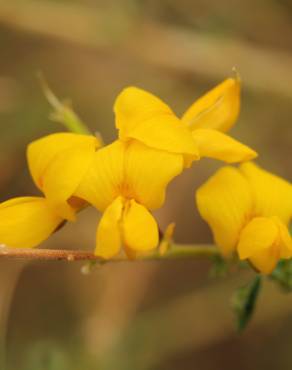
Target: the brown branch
pixel 47 254
pixel 175 252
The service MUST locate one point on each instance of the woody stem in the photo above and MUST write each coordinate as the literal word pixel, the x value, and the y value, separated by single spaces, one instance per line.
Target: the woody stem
pixel 177 251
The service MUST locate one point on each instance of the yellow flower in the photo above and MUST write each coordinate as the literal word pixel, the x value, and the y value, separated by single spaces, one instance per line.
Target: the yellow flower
pixel 125 181
pixel 144 117
pixel 248 210
pixel 27 221
pixel 57 163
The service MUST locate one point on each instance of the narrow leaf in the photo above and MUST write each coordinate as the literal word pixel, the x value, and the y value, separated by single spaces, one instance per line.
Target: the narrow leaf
pixel 244 302
pixel 62 112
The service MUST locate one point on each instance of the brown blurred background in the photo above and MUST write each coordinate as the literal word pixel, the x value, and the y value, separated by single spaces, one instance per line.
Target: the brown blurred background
pixel 142 316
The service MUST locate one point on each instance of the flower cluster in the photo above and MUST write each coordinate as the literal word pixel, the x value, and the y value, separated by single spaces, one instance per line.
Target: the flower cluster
pixel 127 179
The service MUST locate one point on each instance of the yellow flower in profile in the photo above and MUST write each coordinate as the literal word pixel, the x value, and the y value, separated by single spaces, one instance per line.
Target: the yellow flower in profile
pixel 25 222
pixel 144 117
pixel 249 210
pixel 57 163
pixel 125 181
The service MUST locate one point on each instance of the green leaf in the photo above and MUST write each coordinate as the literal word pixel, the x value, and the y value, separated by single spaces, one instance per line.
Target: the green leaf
pixel 244 302
pixel 283 275
pixel 63 112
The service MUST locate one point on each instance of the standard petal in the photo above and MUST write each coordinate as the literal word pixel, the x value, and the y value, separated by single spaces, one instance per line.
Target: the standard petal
pixel 166 132
pixel 134 105
pixel 144 117
pixel 259 234
pixel 41 152
pixel 215 144
pixel 27 221
pixel 148 172
pixel 140 230
pixel 108 237
pixel 225 203
pixel 64 174
pixel 218 109
pixel 272 195
pixel 103 180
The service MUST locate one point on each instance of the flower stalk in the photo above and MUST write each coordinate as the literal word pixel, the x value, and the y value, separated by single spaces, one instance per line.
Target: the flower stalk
pixel 176 251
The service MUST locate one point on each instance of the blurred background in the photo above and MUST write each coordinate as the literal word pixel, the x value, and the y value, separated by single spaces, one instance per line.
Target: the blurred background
pixel 149 315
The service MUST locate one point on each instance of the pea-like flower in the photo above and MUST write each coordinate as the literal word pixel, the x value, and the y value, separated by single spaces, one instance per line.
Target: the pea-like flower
pixel 249 210
pixel 144 117
pixel 125 181
pixel 57 163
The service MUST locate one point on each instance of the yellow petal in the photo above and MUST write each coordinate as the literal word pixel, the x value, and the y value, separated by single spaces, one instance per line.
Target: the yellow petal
pixel 225 203
pixel 166 132
pixel 134 105
pixel 218 109
pixel 284 239
pixel 215 144
pixel 272 194
pixel 140 230
pixel 144 117
pixel 27 221
pixel 266 260
pixel 264 241
pixel 108 237
pixel 148 172
pixel 104 178
pixel 259 234
pixel 64 174
pixel 41 152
